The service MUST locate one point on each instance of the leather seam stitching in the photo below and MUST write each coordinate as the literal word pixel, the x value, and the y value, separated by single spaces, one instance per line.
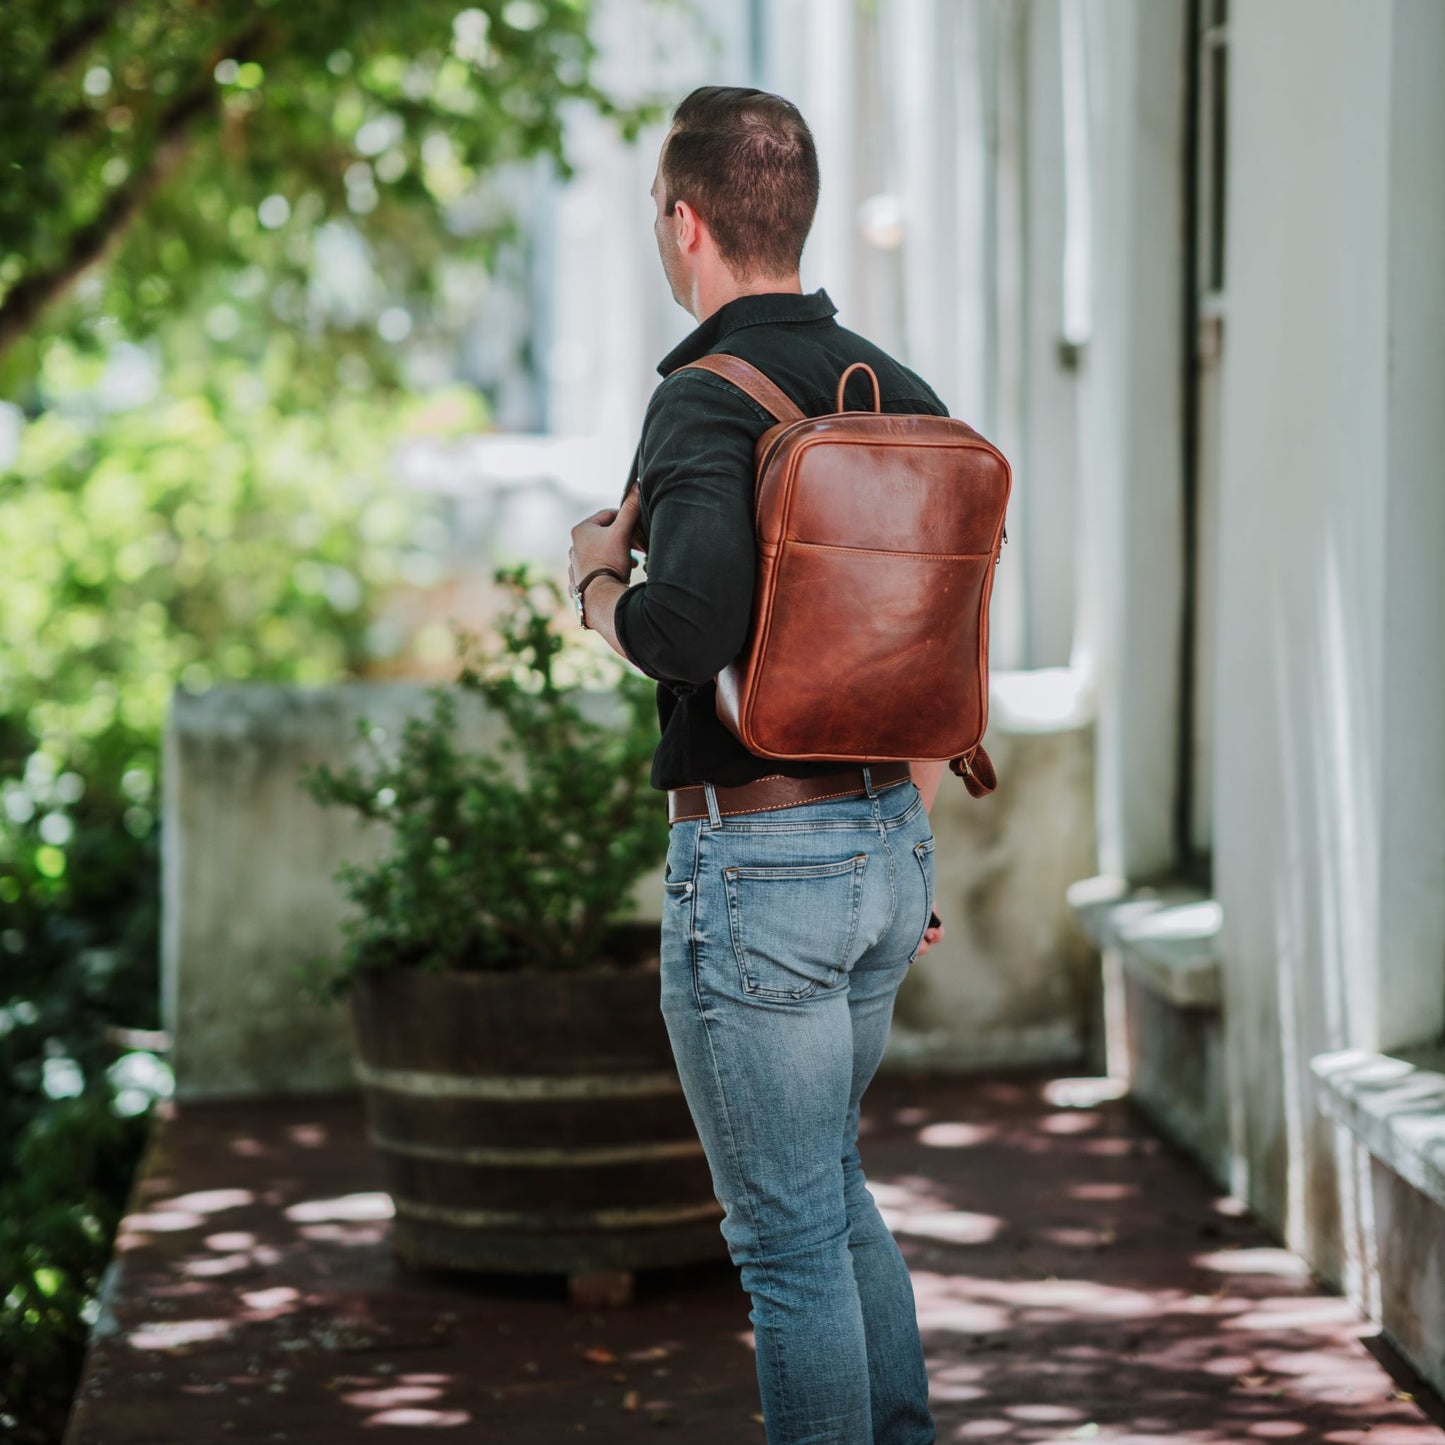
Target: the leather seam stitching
pixel 884 552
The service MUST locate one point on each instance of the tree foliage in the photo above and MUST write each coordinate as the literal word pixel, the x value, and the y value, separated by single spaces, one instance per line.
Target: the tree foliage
pixel 73 1165
pixel 169 136
pixel 188 174
pixel 216 531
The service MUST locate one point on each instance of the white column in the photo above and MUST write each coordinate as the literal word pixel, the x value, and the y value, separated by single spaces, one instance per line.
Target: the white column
pixel 1130 421
pixel 1047 475
pixel 811 59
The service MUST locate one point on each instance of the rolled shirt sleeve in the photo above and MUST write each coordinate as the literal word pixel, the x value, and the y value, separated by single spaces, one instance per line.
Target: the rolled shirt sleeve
pixel 689 618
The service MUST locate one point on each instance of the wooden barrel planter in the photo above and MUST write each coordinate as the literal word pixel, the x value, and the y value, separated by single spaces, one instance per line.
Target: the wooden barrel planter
pixel 534 1121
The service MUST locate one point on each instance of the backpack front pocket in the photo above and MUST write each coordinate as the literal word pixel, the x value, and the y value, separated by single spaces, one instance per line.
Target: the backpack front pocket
pixel 793 925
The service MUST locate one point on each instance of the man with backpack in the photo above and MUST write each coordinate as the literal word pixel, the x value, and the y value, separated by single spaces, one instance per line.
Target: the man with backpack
pixel 798 891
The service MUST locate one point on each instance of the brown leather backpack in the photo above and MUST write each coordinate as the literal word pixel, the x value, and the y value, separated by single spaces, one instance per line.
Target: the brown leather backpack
pixel 877 534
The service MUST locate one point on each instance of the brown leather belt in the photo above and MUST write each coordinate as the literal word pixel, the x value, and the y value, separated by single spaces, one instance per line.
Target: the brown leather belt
pixel 777 790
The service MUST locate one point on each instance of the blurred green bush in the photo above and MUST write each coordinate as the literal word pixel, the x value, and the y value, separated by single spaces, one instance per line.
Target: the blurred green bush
pixel 171 175
pixel 211 533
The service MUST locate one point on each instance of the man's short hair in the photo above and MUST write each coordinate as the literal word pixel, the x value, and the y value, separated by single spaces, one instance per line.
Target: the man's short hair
pixel 744 160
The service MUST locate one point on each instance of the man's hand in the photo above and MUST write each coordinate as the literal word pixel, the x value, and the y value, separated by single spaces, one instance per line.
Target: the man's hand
pixel 604 540
pixel 631 502
pixel 930 937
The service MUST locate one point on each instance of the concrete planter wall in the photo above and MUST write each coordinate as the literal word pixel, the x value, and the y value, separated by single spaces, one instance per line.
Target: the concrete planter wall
pixel 248 890
pixel 1012 983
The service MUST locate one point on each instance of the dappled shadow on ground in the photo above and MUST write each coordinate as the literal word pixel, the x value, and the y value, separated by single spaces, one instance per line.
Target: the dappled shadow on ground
pixel 1076 1280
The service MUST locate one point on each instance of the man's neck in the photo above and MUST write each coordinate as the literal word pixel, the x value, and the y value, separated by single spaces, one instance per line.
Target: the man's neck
pixel 711 292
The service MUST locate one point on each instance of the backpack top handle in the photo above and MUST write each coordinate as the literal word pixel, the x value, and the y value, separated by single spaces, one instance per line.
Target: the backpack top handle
pixel 843 382
pixel 768 395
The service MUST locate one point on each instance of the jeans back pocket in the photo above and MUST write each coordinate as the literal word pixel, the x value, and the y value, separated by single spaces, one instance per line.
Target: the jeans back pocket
pixel 923 851
pixel 793 925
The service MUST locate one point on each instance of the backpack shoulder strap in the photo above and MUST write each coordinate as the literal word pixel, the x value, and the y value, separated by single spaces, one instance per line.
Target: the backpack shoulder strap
pixel 746 377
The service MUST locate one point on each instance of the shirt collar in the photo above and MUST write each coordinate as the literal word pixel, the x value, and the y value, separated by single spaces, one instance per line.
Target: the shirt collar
pixel 761 308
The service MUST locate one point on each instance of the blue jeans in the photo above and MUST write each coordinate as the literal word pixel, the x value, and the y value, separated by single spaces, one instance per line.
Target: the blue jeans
pixel 785 935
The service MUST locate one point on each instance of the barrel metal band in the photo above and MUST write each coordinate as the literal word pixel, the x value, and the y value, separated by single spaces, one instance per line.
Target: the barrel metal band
pixel 488 1154
pixel 535 1221
pixel 518 1086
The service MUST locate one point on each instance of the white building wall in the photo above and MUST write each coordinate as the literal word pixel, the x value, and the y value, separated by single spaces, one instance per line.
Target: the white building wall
pixel 612 316
pixel 940 234
pixel 1328 770
pixel 1412 733
pixel 1329 816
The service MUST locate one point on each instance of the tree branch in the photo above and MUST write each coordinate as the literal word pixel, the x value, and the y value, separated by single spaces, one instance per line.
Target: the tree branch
pixel 65 48
pixel 91 243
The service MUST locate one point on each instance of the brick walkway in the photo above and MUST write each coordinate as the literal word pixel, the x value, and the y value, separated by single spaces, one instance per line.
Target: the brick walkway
pixel 1076 1280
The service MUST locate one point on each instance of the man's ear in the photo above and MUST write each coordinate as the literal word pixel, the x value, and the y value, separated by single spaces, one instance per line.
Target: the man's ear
pixel 690 232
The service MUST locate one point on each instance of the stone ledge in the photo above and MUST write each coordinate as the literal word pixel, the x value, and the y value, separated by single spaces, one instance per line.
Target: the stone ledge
pixel 1394 1104
pixel 1040 700
pixel 1166 935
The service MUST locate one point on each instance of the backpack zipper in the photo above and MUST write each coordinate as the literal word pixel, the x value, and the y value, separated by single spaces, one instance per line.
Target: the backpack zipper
pixel 782 436
pixel 778 440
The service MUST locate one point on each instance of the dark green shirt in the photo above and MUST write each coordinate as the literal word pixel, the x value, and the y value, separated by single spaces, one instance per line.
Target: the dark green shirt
pixel 694 471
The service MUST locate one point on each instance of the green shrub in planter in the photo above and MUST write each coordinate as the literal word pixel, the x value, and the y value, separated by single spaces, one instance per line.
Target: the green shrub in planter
pixel 519 1081
pixel 517 858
